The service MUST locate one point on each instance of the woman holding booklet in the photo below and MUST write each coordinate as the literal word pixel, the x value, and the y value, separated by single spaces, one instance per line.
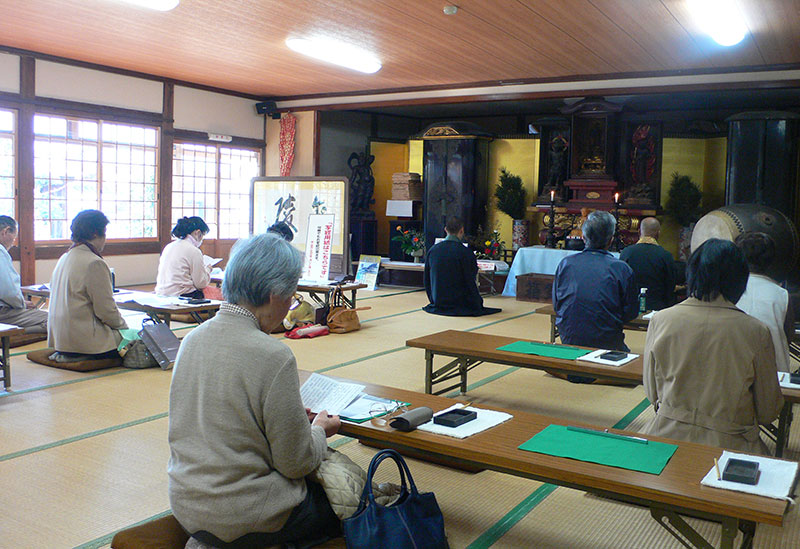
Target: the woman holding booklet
pixel 183 270
pixel 241 443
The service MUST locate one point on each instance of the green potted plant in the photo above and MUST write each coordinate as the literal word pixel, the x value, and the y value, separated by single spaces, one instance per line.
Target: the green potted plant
pixel 510 196
pixel 412 242
pixel 683 205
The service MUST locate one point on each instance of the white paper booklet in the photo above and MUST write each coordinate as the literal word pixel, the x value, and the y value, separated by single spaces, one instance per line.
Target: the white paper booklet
pixel 784 381
pixel 594 356
pixel 486 420
pixel 323 393
pixel 209 261
pixel 775 479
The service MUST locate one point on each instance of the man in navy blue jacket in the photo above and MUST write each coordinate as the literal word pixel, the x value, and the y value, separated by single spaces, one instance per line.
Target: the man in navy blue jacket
pixel 450 276
pixel 594 294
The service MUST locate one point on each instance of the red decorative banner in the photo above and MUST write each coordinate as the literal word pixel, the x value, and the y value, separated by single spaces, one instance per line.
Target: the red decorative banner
pixel 286 143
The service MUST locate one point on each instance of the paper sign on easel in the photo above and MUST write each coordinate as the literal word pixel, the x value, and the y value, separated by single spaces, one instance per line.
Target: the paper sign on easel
pixel 319 241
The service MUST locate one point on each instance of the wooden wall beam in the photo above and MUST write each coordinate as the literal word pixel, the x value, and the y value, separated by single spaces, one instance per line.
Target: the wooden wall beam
pixel 27 247
pixel 165 165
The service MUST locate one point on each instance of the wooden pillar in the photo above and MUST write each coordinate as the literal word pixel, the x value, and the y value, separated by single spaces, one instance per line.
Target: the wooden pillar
pixel 25 179
pixel 165 165
pixel 316 142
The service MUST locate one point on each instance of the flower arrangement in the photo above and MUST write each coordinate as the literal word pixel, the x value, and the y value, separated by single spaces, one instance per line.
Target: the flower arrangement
pixel 410 240
pixel 488 245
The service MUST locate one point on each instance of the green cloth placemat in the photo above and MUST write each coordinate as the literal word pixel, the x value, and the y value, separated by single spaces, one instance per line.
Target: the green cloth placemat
pixel 544 349
pixel 596 447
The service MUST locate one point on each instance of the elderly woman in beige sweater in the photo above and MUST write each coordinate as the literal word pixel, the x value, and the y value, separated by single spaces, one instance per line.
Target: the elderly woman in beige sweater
pixel 84 321
pixel 241 443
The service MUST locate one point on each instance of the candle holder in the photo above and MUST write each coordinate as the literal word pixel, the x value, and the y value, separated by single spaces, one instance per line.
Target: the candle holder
pixel 551 227
pixel 616 244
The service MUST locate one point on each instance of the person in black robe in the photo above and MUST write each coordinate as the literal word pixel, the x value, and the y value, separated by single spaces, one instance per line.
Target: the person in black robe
pixel 450 276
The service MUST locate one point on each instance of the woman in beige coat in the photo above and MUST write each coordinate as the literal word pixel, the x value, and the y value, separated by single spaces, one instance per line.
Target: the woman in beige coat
pixel 709 368
pixel 83 320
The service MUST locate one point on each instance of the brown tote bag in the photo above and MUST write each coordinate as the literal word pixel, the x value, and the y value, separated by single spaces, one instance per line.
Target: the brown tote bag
pixel 341 318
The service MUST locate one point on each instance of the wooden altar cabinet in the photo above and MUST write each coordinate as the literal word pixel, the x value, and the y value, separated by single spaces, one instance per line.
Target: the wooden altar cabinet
pixel 568 218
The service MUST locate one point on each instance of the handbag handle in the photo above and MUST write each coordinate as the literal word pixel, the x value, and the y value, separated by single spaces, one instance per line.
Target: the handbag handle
pixel 402 467
pixel 344 310
pixel 336 299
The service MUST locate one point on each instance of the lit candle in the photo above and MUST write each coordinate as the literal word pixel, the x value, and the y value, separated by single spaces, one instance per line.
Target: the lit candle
pixel 616 198
pixel 552 195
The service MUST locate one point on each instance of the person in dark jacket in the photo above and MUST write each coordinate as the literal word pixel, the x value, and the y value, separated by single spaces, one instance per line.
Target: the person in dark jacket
pixel 594 293
pixel 450 276
pixel 653 266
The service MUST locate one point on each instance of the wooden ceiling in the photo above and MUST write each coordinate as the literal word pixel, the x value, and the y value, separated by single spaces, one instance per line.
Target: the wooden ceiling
pixel 239 44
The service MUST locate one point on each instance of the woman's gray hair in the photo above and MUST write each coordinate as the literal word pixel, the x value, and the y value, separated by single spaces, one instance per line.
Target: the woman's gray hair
pixel 598 229
pixel 259 266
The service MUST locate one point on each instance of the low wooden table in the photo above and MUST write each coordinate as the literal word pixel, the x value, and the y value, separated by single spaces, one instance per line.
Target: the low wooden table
pixel 320 293
pixel 470 349
pixel 484 275
pixel 674 492
pixel 638 324
pixel 6 331
pixel 158 313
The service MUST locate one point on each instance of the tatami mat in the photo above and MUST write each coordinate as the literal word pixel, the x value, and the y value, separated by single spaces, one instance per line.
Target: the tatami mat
pixel 84 455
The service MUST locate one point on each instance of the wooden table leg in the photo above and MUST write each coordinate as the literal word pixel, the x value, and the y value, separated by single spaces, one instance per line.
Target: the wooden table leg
pixel 6 362
pixel 463 367
pixel 552 329
pixel 428 371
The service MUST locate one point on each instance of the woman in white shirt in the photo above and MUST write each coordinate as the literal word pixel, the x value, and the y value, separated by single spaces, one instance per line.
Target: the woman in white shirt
pixel 764 299
pixel 181 270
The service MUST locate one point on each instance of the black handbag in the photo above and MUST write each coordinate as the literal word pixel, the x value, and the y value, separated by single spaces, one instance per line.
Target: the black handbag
pixel 413 521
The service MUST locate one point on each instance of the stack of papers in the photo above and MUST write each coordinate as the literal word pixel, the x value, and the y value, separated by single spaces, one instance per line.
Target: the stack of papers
pixel 148 299
pixel 775 479
pixel 323 393
pixel 486 420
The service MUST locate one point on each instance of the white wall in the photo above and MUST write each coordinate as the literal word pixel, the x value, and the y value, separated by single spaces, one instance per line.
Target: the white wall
pixel 217 113
pixel 9 73
pixel 129 270
pixel 59 81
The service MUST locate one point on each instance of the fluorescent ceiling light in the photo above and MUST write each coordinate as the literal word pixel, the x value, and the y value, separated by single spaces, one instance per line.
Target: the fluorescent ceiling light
pixel 338 53
pixel 721 19
pixel 158 5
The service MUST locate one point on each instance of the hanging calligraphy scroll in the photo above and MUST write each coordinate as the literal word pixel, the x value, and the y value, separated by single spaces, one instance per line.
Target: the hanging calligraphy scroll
pixel 293 200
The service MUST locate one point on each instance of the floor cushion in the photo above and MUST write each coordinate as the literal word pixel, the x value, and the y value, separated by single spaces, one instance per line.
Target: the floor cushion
pixel 42 356
pixel 163 533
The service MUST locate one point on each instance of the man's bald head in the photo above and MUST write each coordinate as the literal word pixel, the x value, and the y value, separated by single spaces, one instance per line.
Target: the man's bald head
pixel 650 227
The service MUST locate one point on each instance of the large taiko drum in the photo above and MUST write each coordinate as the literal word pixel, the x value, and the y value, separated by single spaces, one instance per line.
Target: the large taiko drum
pixel 729 222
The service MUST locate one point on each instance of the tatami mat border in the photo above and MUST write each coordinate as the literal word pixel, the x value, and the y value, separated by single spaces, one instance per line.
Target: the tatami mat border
pixel 61 383
pixel 499 528
pixel 82 436
pixel 389 351
pixel 390 295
